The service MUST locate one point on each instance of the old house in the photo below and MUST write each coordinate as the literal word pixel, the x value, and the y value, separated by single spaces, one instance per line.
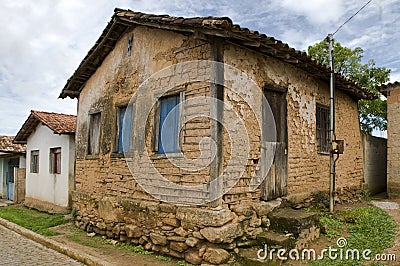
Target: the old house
pixel 392 92
pixel 50 157
pixel 12 158
pixel 191 130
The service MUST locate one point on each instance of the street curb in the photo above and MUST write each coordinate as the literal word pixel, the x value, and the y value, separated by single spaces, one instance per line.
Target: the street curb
pixel 70 252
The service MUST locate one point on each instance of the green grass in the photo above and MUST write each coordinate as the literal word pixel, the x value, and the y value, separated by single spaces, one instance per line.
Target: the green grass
pixel 83 239
pixel 334 227
pixel 36 221
pixel 368 228
pixel 136 249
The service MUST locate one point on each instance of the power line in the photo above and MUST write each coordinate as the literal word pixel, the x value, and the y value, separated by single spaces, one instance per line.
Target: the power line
pixel 352 17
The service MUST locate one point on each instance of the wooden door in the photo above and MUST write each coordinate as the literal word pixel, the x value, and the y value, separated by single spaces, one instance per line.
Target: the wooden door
pixel 275 183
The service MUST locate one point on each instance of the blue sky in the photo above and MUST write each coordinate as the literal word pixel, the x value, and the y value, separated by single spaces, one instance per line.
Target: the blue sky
pixel 43 41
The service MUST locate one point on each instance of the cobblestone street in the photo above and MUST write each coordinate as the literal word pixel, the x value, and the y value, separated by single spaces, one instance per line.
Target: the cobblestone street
pixel 18 250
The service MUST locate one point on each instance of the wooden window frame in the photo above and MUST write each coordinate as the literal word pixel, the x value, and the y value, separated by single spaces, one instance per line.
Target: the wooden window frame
pixel 34 161
pixel 91 119
pixel 322 128
pixel 119 107
pixel 156 120
pixel 55 160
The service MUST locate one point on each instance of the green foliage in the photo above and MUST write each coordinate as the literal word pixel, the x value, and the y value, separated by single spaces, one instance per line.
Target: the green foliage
pixel 373 228
pixel 33 220
pixel 334 227
pixel 368 228
pixel 83 239
pixel 136 249
pixel 163 258
pixel 348 62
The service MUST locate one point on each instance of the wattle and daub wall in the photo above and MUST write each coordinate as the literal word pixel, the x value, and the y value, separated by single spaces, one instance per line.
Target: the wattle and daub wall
pixel 108 198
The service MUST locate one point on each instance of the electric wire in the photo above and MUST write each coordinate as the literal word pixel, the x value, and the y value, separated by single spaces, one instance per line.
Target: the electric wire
pixel 352 17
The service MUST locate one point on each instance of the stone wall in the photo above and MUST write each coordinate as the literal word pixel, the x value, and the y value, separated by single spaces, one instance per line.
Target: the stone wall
pixel 199 235
pixel 375 163
pixel 393 142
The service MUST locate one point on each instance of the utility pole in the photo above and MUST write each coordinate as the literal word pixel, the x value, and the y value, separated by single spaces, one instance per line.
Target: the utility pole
pixel 331 125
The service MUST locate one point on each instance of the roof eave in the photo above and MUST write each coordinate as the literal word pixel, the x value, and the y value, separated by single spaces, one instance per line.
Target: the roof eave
pixel 240 36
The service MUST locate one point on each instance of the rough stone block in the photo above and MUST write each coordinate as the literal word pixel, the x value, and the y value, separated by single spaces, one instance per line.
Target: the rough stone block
pixel 192 256
pixel 158 239
pixel 204 217
pixel 293 221
pixel 216 256
pixel 223 234
pixel 262 208
pixel 178 246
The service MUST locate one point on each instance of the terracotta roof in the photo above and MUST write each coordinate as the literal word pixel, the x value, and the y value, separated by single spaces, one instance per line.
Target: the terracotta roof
pixel 387 87
pixel 222 27
pixel 7 145
pixel 58 123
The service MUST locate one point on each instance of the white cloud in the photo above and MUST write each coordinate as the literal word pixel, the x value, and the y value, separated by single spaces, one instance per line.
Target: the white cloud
pixel 44 41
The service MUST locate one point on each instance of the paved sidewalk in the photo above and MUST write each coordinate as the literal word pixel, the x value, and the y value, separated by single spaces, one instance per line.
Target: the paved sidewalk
pixel 19 250
pixel 46 242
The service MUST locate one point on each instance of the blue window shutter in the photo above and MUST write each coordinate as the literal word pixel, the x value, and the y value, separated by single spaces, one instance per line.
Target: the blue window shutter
pixel 125 129
pixel 168 127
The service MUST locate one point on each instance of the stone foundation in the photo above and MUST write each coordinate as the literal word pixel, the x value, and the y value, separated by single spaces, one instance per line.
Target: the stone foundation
pixel 45 206
pixel 196 234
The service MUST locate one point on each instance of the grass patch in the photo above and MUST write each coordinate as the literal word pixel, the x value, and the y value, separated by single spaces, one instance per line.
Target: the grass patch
pixel 136 249
pixel 369 228
pixel 334 227
pixel 33 220
pixel 83 239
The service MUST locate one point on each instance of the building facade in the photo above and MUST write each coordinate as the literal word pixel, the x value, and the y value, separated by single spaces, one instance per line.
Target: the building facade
pixel 50 158
pixel 12 157
pixel 392 92
pixel 174 112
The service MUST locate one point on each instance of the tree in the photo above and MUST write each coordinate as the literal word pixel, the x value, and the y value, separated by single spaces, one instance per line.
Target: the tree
pixel 347 62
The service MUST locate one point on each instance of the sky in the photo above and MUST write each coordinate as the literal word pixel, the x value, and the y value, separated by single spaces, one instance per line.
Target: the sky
pixel 44 41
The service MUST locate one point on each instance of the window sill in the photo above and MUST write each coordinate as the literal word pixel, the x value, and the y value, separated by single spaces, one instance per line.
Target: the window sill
pixel 324 153
pixel 92 157
pixel 117 155
pixel 167 155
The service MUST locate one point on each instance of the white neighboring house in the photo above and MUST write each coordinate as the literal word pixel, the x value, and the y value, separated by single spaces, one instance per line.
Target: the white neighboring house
pixel 50 160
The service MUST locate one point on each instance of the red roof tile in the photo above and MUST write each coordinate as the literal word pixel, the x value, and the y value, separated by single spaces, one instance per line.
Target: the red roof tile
pixel 7 145
pixel 58 123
